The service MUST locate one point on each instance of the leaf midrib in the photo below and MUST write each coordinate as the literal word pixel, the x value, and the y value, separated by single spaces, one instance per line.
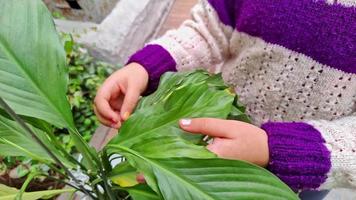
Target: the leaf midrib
pixel 16 146
pixel 181 179
pixel 47 192
pixel 5 141
pixel 158 127
pixel 12 57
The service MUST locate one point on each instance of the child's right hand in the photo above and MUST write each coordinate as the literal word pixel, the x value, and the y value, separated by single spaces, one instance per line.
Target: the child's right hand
pixel 117 97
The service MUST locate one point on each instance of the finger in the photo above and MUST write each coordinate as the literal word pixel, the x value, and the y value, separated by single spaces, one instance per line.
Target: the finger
pixel 130 101
pixel 116 103
pixel 101 118
pixel 103 107
pixel 208 126
pixel 217 147
pixel 140 178
pixel 106 122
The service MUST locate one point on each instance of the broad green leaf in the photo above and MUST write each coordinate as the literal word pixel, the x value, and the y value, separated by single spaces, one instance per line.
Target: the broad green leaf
pixel 33 76
pixel 210 179
pixel 142 192
pixel 170 82
pixel 32 63
pixel 9 193
pixel 124 175
pixel 37 123
pixel 173 164
pixel 14 141
pixel 153 129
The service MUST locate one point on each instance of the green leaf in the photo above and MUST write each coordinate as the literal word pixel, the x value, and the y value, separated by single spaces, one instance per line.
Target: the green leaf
pixel 21 171
pixel 14 141
pixel 174 165
pixel 68 43
pixel 124 175
pixel 142 192
pixel 213 178
pixel 170 82
pixel 32 63
pixel 33 76
pixel 238 112
pixel 153 129
pixel 9 193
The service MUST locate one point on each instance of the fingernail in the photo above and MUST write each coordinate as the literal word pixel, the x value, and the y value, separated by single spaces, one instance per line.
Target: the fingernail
pixel 185 122
pixel 126 115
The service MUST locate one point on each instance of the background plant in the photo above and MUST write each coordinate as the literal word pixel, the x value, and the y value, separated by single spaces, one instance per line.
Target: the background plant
pixel 176 165
pixel 85 76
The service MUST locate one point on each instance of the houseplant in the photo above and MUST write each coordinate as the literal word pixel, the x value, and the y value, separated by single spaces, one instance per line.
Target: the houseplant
pixel 176 165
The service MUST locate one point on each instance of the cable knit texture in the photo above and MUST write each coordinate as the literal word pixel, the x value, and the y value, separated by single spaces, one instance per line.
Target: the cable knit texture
pixel 293 64
pixel 310 160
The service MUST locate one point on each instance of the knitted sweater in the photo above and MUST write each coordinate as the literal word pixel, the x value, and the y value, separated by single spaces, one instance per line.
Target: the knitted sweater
pixel 293 64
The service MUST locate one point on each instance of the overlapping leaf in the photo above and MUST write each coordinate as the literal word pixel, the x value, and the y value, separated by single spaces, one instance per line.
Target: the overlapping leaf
pixel 174 165
pixel 33 77
pixel 32 63
pixel 153 129
pixel 142 192
pixel 124 175
pixel 9 193
pixel 211 179
pixel 14 141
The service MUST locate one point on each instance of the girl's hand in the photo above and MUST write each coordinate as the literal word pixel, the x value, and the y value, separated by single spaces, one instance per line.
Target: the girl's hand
pixel 117 97
pixel 232 139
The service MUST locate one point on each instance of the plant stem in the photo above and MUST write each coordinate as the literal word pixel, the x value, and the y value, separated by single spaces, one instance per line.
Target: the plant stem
pixel 54 168
pixel 25 184
pixel 105 166
pixel 106 185
pixel 34 137
pixel 66 154
pixel 61 181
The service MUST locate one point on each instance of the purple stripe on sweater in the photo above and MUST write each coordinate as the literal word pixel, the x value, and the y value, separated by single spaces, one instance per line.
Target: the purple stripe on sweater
pixel 156 60
pixel 226 10
pixel 298 155
pixel 326 33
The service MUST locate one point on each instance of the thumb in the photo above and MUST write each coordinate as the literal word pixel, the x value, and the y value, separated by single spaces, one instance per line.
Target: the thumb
pixel 130 101
pixel 208 126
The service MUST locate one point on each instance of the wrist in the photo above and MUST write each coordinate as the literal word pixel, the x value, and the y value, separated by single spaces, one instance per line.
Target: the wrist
pixel 140 70
pixel 141 75
pixel 156 61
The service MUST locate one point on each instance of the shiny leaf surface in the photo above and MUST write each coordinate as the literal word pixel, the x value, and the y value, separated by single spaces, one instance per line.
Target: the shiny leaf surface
pixel 9 193
pixel 173 163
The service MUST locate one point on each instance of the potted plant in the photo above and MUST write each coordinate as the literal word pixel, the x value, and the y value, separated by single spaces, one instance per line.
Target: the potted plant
pixel 176 165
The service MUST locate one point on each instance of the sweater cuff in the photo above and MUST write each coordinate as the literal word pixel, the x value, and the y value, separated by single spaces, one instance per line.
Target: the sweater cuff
pixel 156 60
pixel 298 155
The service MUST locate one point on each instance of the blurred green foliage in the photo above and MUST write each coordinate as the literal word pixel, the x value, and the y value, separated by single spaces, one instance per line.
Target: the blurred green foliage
pixel 86 74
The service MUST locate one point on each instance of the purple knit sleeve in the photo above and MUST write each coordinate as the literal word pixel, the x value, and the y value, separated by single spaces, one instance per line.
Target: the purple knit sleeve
pixel 156 60
pixel 298 155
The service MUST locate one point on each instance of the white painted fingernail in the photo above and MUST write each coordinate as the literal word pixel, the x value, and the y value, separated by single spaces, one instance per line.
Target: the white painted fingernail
pixel 185 122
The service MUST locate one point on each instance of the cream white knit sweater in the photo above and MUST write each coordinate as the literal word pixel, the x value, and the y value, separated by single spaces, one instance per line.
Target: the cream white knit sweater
pixel 293 64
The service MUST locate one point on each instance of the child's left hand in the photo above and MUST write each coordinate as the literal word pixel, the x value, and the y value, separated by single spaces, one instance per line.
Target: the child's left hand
pixel 232 139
